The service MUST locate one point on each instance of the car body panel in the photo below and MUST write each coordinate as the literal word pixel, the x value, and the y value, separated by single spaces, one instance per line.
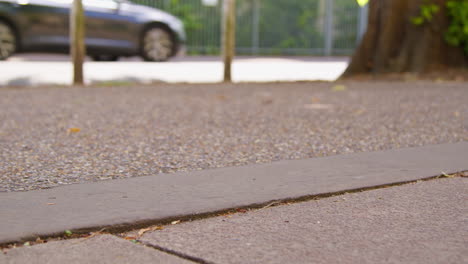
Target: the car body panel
pixel 113 27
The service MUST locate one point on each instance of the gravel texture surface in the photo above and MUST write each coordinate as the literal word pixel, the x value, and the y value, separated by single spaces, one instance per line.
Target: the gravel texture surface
pixel 55 136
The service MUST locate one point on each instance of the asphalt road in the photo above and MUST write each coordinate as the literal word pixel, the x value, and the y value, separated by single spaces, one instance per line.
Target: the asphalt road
pixel 56 136
pixel 33 69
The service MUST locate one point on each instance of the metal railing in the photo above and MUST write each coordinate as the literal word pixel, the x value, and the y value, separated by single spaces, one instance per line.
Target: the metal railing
pixel 272 27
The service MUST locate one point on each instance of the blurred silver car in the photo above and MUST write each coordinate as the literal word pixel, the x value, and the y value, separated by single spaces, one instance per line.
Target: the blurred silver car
pixel 113 28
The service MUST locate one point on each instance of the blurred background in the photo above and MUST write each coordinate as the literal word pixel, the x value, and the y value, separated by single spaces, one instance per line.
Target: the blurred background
pixel 272 27
pixel 276 40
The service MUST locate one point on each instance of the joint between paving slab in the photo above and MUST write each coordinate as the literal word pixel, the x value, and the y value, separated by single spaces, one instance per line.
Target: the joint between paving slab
pixel 115 229
pixel 176 253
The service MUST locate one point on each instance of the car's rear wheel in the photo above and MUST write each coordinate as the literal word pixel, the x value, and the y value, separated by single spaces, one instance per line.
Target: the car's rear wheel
pixel 157 45
pixel 104 58
pixel 7 41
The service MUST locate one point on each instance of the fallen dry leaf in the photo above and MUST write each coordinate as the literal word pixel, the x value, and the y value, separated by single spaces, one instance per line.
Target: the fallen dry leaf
pixel 50 203
pixel 175 222
pixel 142 231
pixel 222 97
pixel 318 106
pixel 448 175
pixel 73 130
pixel 339 88
pixel 130 238
pixel 157 228
pixel 315 100
pixel 359 112
pixel 154 228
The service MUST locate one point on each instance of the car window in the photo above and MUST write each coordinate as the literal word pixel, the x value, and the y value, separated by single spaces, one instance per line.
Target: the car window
pixel 62 1
pixel 108 4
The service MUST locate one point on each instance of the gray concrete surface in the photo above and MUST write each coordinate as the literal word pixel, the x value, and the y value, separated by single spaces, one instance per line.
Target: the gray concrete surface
pixel 146 199
pixel 27 69
pixel 424 223
pixel 146 130
pixel 104 249
pixel 3 258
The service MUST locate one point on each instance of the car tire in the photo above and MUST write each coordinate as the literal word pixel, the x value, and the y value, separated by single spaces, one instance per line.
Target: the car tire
pixel 7 41
pixel 105 58
pixel 157 44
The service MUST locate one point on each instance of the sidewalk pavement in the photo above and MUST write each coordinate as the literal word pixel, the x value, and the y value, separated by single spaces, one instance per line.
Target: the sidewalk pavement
pixel 138 201
pixel 423 222
pixel 22 70
pixel 418 223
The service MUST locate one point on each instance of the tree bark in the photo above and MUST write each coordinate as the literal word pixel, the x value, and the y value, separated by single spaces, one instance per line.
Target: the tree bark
pixel 393 44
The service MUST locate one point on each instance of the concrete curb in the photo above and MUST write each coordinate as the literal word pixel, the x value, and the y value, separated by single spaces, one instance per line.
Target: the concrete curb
pixel 144 200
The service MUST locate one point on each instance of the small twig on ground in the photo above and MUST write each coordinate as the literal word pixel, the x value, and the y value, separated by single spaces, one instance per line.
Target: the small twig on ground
pixel 271 204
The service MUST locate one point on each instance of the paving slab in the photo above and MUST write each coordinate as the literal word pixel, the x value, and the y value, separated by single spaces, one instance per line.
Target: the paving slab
pixel 424 222
pixel 145 200
pixel 99 249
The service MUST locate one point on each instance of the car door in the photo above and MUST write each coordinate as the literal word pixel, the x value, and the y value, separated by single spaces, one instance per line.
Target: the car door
pixel 44 23
pixel 107 27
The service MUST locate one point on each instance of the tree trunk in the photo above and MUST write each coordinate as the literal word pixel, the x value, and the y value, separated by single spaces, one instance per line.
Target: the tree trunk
pixel 393 44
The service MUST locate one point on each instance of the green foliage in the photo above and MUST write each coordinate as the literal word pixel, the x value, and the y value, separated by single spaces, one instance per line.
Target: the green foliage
pixel 346 17
pixel 457 10
pixel 299 26
pixel 293 26
pixel 457 33
pixel 184 10
pixel 187 13
pixel 426 14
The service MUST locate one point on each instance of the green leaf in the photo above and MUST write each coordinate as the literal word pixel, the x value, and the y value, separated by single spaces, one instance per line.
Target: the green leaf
pixel 457 32
pixel 426 13
pixel 417 20
pixel 68 233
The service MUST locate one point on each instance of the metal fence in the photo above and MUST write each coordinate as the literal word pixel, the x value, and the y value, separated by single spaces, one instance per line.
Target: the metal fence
pixel 272 27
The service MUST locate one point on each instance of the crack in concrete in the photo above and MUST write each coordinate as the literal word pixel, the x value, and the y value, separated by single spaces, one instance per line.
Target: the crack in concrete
pixel 176 253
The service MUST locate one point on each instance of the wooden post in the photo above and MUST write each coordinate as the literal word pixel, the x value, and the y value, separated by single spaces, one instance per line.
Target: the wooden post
pixel 77 43
pixel 255 27
pixel 329 28
pixel 229 37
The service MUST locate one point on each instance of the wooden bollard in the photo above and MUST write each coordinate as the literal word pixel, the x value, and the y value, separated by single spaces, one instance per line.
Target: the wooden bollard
pixel 77 41
pixel 229 37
